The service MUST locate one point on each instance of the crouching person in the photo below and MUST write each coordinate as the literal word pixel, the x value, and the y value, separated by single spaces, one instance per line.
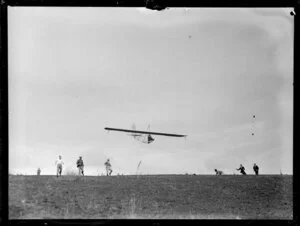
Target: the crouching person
pixel 218 172
pixel 242 169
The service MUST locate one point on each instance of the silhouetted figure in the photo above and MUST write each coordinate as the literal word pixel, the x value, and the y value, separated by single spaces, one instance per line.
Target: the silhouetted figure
pixel 59 164
pixel 218 172
pixel 255 168
pixel 150 139
pixel 38 171
pixel 108 168
pixel 242 169
pixel 80 166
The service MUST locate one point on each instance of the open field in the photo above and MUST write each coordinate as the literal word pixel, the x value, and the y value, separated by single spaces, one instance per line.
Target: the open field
pixel 152 196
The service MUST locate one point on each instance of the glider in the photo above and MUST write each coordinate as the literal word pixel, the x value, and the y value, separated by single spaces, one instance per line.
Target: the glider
pixel 143 136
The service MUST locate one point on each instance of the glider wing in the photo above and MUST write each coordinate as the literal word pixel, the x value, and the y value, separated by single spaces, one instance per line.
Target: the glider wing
pixel 145 132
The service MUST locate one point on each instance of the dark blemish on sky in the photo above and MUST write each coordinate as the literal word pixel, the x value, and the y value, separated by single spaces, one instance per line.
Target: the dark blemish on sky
pixel 190 36
pixel 154 5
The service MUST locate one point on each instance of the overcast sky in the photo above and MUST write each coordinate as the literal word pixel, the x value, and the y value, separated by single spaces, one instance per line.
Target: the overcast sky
pixel 200 72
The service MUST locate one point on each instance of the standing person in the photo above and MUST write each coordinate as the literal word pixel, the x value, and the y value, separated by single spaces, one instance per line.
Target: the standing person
pixel 59 162
pixel 38 171
pixel 80 166
pixel 255 168
pixel 108 168
pixel 242 169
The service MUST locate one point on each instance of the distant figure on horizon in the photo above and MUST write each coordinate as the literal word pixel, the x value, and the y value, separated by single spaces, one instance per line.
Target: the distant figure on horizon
pixel 218 172
pixel 255 168
pixel 108 168
pixel 59 164
pixel 38 171
pixel 80 166
pixel 242 169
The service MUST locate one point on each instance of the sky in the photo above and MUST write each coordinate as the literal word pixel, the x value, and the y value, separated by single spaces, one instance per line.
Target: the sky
pixel 203 72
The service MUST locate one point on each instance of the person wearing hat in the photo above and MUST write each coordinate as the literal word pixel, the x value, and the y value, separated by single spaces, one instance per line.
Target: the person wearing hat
pixel 80 166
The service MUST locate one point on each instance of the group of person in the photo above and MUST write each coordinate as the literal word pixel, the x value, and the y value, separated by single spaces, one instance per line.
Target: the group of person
pixel 80 165
pixel 243 172
pixel 241 169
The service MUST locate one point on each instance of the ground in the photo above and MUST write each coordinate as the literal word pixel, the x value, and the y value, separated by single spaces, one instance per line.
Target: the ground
pixel 151 196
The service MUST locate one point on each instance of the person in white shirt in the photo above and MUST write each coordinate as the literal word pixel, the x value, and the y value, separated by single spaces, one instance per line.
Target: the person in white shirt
pixel 59 164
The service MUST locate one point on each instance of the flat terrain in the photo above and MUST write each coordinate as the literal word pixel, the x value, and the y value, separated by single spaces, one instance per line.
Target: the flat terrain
pixel 152 196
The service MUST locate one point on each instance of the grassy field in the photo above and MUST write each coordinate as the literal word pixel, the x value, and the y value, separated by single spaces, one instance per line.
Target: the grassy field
pixel 155 197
